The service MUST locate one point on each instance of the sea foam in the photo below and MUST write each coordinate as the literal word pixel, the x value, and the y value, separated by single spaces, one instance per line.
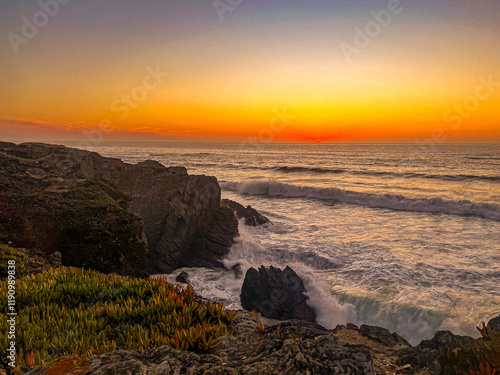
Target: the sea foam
pixel 389 201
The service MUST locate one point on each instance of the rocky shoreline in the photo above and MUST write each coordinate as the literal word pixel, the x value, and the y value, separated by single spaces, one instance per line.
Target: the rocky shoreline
pixel 67 207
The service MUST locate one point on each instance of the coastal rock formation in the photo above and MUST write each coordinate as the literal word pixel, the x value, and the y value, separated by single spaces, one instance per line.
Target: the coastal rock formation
pixel 276 294
pixel 495 323
pixel 427 354
pixel 383 346
pixel 105 214
pixel 382 335
pixel 300 348
pixel 252 217
pixel 182 278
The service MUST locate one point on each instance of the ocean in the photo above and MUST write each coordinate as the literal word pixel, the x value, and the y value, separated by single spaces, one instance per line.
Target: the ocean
pixel 405 237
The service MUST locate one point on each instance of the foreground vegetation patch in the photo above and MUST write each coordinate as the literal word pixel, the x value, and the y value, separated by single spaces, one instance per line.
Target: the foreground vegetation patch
pixel 480 358
pixel 73 312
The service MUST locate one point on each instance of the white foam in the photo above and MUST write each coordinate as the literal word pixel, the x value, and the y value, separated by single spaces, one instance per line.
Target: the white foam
pixel 390 201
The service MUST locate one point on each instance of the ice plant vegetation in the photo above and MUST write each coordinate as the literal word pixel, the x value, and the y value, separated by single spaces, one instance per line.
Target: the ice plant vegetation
pixel 480 358
pixel 74 312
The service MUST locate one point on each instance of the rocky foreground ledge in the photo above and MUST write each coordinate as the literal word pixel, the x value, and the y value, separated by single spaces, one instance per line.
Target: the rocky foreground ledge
pixel 286 347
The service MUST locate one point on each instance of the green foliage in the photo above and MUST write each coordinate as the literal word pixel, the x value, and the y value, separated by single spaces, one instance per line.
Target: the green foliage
pixel 8 253
pixel 25 264
pixel 480 358
pixel 73 312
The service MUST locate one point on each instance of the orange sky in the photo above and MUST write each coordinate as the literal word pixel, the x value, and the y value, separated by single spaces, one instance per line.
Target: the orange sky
pixel 273 71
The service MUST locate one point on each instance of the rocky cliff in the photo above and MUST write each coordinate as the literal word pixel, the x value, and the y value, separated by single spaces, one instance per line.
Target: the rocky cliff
pixel 105 214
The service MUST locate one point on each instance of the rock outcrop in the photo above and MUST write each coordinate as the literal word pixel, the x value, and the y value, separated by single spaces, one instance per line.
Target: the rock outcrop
pixel 299 348
pixel 276 294
pixel 383 346
pixel 104 214
pixel 494 324
pixel 383 335
pixel 182 278
pixel 426 355
pixel 252 217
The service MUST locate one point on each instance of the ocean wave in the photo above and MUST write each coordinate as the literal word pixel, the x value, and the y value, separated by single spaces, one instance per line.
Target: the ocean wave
pixel 390 201
pixel 482 158
pixel 308 169
pixel 324 170
pixel 459 177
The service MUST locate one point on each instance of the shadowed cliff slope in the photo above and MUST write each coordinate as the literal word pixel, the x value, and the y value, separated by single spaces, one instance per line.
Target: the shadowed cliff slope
pixel 104 214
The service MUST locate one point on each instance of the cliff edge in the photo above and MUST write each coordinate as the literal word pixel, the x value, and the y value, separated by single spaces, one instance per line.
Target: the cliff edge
pixel 108 215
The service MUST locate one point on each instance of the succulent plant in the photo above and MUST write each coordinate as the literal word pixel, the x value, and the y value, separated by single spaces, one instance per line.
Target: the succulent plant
pixel 479 358
pixel 69 312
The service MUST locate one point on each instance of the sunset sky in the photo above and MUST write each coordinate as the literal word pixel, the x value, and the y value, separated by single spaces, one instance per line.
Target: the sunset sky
pixel 431 70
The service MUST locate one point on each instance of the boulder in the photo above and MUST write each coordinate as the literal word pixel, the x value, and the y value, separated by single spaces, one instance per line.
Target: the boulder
pixel 494 324
pixel 182 278
pixel 252 217
pixel 238 273
pixel 276 294
pixel 104 214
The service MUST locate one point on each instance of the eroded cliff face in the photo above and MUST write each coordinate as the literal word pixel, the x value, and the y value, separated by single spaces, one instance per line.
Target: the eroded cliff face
pixel 177 215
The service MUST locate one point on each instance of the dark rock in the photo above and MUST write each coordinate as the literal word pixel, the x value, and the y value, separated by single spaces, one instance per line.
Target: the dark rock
pixel 495 323
pixel 313 351
pixel 238 273
pixel 252 217
pixel 446 340
pixel 352 326
pixel 104 214
pixel 276 294
pixel 207 250
pixel 400 340
pixel 151 163
pixel 182 278
pixel 427 353
pixel 382 335
pixel 56 259
pixel 87 221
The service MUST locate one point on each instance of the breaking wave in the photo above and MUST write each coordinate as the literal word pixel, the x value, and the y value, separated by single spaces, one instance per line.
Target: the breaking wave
pixel 390 201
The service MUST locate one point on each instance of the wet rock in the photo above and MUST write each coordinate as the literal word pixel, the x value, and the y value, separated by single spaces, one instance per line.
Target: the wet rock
pixel 182 278
pixel 495 323
pixel 238 273
pixel 252 216
pixel 276 294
